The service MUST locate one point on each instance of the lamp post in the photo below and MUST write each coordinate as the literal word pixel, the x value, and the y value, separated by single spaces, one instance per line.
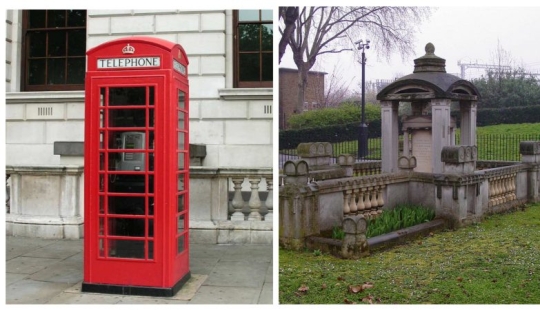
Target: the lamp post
pixel 363 134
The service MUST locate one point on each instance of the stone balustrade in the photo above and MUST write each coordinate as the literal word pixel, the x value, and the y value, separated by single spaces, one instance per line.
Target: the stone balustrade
pixel 367 168
pixel 227 205
pixel 251 208
pixel 364 196
pixel 502 186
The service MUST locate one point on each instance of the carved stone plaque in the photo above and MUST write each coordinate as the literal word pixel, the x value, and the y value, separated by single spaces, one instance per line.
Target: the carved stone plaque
pixel 421 149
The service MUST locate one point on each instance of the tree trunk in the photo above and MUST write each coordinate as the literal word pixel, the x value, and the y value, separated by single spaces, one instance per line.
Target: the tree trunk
pixel 302 83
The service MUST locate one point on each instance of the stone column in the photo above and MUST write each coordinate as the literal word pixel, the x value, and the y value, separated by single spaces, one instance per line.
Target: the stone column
pixel 468 122
pixel 389 136
pixel 530 154
pixel 440 131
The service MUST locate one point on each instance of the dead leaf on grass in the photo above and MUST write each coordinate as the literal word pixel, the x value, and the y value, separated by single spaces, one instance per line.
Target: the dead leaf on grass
pixel 323 286
pixel 459 279
pixel 303 288
pixel 340 278
pixel 368 299
pixel 360 287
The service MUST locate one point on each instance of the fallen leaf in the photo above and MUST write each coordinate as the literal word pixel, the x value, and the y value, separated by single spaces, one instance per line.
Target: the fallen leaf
pixel 359 288
pixel 355 289
pixel 303 288
pixel 368 299
pixel 431 234
pixel 323 286
pixel 340 278
pixel 459 279
pixel 367 285
pixel 419 242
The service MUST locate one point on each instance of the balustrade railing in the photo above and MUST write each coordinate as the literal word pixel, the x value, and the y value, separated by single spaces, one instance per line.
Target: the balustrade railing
pixel 248 202
pixel 367 168
pixel 364 196
pixel 502 189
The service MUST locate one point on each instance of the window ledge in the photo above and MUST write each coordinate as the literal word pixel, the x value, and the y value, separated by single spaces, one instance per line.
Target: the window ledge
pixel 45 97
pixel 246 93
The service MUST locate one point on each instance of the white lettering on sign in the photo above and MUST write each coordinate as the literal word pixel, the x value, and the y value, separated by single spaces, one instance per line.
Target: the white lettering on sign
pixel 179 67
pixel 134 62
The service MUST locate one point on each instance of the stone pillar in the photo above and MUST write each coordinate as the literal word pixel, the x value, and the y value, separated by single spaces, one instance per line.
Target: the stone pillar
pixel 440 111
pixel 459 159
pixel 468 122
pixel 316 154
pixel 298 207
pixel 355 242
pixel 530 154
pixel 346 162
pixel 389 136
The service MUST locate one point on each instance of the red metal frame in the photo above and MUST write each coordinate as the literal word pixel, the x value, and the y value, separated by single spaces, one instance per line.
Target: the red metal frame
pixel 136 235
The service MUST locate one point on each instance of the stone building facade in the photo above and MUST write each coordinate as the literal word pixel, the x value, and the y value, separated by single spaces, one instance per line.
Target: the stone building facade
pixel 231 124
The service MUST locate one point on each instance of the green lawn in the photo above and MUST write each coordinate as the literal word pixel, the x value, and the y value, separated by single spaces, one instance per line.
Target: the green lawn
pixel 494 262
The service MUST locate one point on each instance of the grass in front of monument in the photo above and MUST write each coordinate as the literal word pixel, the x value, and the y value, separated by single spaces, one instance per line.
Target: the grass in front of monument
pixel 494 262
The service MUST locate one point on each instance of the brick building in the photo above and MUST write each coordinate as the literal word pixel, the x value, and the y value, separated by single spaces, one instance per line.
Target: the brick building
pixel 288 93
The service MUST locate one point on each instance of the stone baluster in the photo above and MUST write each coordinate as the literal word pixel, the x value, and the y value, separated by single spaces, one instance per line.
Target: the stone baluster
pixel 374 203
pixel 491 192
pixel 367 203
pixel 361 206
pixel 504 188
pixel 237 201
pixel 346 197
pixel 269 217
pixel 513 186
pixel 353 205
pixel 380 200
pixel 254 200
pixel 497 189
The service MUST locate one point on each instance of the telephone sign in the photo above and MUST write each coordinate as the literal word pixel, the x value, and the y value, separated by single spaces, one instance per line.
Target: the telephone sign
pixel 136 198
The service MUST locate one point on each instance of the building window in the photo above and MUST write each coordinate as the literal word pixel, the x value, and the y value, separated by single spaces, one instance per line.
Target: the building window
pixel 54 50
pixel 253 45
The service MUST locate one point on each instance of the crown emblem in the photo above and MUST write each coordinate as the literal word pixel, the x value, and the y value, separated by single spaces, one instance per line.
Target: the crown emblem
pixel 128 49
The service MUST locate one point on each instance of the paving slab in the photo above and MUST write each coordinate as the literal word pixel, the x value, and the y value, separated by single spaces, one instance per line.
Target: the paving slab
pixel 28 291
pixel 43 271
pixel 28 265
pixel 240 274
pixel 226 295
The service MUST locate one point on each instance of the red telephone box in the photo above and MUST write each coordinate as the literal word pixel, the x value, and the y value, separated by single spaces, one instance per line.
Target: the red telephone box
pixel 136 198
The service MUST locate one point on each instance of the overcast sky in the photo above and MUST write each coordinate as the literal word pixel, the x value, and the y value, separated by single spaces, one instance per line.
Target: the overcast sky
pixel 466 34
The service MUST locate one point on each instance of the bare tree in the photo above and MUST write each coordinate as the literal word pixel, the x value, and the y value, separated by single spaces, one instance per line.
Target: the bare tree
pixel 289 15
pixel 336 89
pixel 323 30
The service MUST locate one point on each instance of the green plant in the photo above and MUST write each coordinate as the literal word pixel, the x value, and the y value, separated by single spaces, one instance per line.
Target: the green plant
pixel 317 252
pixel 402 216
pixel 338 233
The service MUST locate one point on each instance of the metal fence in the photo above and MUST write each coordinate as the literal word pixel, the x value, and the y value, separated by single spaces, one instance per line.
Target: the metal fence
pixel 500 147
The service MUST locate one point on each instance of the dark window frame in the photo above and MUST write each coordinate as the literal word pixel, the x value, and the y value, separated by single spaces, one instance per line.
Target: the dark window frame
pixel 236 51
pixel 25 52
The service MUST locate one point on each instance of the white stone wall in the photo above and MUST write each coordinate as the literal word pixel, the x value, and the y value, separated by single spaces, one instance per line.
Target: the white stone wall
pixel 234 124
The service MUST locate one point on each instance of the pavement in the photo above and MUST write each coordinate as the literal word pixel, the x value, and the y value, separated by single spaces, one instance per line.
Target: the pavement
pixel 47 271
